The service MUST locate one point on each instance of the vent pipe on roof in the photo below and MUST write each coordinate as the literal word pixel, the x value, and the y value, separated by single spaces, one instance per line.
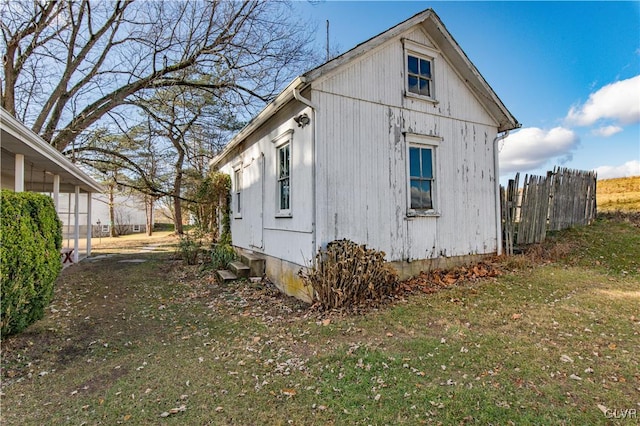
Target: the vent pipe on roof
pixel 328 56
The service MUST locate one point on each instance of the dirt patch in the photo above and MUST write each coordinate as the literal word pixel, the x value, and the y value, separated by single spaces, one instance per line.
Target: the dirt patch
pixel 100 382
pixel 95 304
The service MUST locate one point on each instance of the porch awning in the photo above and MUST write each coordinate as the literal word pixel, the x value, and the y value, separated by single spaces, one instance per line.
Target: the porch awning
pixel 41 160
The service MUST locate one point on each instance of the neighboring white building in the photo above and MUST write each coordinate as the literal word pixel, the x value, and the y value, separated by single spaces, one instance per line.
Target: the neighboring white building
pixel 129 214
pixel 392 144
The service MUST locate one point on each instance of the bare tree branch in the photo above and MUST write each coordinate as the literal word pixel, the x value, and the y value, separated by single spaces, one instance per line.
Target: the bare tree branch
pixel 89 58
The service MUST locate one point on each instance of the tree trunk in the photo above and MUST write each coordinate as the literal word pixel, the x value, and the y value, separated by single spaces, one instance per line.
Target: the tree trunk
pixel 177 189
pixel 112 216
pixel 148 204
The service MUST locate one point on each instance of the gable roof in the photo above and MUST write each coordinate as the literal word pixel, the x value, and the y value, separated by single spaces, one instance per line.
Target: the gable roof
pixel 434 27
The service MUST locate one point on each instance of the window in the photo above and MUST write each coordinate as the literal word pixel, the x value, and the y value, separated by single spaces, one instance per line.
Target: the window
pixel 136 228
pixel 421 178
pixel 422 197
pixel 283 145
pixel 420 70
pixel 237 189
pixel 419 75
pixel 284 178
pixel 104 229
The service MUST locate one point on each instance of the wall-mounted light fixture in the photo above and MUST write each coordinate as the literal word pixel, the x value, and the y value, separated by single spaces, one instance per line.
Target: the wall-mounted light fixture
pixel 302 120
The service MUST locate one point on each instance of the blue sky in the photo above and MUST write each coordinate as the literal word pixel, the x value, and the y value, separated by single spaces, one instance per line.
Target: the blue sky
pixel 568 71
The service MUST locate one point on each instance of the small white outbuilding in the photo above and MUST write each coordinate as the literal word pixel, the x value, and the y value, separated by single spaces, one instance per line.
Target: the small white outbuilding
pixel 392 144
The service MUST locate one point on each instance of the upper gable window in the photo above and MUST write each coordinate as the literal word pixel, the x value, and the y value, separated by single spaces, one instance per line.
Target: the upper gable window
pixel 419 75
pixel 420 69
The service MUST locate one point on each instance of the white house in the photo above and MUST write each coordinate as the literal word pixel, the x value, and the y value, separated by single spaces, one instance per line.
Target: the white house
pixel 129 211
pixel 392 144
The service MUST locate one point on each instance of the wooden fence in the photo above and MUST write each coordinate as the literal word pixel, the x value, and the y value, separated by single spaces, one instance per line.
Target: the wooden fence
pixel 562 199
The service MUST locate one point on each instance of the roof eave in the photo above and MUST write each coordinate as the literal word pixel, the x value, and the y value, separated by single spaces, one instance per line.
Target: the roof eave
pixel 468 71
pixel 40 146
pixel 267 112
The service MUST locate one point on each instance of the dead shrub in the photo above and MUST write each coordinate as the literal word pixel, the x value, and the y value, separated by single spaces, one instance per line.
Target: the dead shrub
pixel 347 274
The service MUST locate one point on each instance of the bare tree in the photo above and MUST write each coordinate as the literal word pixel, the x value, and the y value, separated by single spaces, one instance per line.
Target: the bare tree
pixel 70 64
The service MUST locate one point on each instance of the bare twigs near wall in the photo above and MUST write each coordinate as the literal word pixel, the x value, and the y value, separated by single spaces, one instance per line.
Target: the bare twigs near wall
pixel 561 199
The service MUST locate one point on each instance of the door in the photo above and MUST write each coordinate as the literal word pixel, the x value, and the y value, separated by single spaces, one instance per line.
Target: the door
pixel 253 180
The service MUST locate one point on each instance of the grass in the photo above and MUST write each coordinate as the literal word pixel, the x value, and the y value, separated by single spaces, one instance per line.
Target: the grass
pixel 619 194
pixel 126 343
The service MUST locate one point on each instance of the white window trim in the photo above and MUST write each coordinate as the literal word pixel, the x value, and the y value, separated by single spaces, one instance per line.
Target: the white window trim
pixel 425 52
pixel 104 229
pixel 280 141
pixel 237 190
pixel 423 141
pixel 136 228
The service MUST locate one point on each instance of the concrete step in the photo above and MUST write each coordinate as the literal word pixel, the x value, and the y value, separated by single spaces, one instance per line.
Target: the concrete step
pixel 225 276
pixel 240 269
pixel 255 264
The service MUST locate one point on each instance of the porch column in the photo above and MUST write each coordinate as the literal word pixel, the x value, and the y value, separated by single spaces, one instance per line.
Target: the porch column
pixel 18 185
pixel 56 191
pixel 89 225
pixel 76 232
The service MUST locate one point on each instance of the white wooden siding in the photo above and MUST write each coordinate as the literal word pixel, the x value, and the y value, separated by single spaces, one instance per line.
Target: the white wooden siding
pixel 259 229
pixel 379 76
pixel 361 165
pixel 361 158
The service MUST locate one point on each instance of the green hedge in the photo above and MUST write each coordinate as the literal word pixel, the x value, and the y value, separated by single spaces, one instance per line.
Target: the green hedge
pixel 29 257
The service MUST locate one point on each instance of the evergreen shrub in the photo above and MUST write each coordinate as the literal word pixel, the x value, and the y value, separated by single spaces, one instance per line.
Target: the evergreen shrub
pixel 29 257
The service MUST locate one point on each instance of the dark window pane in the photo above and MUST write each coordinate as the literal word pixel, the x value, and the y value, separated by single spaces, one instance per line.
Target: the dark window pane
pixel 284 194
pixel 414 162
pixel 425 68
pixel 424 87
pixel 283 160
pixel 413 84
pixel 412 64
pixel 426 163
pixel 284 185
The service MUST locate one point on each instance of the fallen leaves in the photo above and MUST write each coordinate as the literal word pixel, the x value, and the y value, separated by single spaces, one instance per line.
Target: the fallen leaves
pixel 177 410
pixel 566 358
pixel 289 392
pixel 432 281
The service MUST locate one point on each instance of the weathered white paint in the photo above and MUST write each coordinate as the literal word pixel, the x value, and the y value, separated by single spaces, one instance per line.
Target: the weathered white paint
pixel 349 175
pixel 362 158
pixel 261 229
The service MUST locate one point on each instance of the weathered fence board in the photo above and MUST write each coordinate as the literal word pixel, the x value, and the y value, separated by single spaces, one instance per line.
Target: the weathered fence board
pixel 561 199
pixel 509 200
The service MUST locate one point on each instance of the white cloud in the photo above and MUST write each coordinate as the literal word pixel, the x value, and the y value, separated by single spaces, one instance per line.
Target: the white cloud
pixel 606 131
pixel 532 147
pixel 619 101
pixel 630 168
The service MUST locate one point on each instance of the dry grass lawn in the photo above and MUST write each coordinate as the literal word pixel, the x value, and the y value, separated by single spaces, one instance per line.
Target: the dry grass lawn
pixel 619 194
pixel 134 336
